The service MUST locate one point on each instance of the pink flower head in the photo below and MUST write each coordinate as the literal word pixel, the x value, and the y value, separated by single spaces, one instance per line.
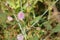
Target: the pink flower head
pixel 21 15
pixel 20 37
pixel 9 18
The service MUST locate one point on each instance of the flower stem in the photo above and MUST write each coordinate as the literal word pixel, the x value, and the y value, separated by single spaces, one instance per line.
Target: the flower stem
pixel 21 5
pixel 22 30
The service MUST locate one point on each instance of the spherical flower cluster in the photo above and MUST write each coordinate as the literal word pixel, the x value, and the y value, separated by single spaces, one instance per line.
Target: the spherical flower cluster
pixel 20 37
pixel 20 15
pixel 9 18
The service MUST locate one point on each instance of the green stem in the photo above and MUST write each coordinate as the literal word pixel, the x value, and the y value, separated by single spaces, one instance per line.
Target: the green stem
pixel 23 31
pixel 21 5
pixel 18 22
pixel 45 12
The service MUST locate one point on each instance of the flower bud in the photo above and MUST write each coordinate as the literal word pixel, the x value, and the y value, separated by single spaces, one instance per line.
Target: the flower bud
pixel 21 15
pixel 20 37
pixel 9 18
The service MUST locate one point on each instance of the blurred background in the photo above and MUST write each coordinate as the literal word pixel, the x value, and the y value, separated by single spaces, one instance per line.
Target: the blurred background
pixel 37 20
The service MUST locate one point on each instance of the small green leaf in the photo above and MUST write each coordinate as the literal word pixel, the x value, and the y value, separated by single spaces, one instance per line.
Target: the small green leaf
pixel 34 38
pixel 34 21
pixel 56 29
pixel 47 25
pixel 14 3
pixel 2 18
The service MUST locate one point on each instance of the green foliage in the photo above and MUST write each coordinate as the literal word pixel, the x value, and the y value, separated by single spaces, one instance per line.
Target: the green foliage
pixel 27 27
pixel 35 20
pixel 34 38
pixel 2 18
pixel 57 28
pixel 48 25
pixel 14 3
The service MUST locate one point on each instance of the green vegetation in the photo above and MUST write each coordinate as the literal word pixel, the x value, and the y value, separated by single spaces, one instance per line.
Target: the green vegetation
pixel 29 20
